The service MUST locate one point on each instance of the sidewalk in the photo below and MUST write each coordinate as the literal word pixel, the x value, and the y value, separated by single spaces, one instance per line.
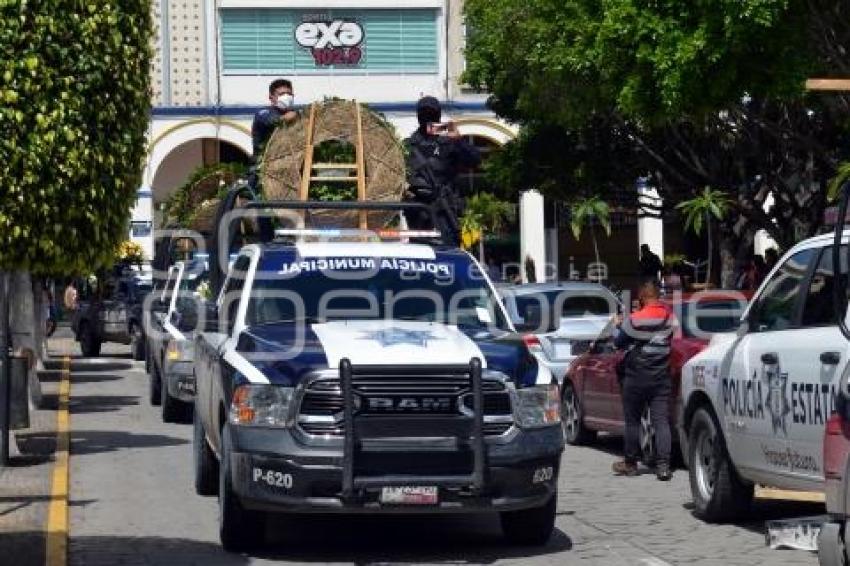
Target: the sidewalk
pixel 25 485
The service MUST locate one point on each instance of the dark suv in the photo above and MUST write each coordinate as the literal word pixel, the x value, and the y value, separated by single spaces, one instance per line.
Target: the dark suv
pixel 113 313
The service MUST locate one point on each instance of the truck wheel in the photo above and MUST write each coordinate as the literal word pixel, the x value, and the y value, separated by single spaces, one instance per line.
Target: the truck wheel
pixel 239 529
pixel 648 448
pixel 530 527
pixel 89 344
pixel 572 420
pixel 155 385
pixel 719 493
pixel 206 465
pixel 173 410
pixel 137 343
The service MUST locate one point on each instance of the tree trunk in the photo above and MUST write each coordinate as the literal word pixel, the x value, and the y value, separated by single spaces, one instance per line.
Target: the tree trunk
pixel 728 261
pixel 24 325
pixel 481 248
pixel 595 251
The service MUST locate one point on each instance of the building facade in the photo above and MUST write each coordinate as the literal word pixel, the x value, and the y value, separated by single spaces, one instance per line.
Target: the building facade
pixel 214 60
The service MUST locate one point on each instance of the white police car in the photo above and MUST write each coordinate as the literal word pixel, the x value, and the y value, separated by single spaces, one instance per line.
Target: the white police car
pixel 755 404
pixel 370 377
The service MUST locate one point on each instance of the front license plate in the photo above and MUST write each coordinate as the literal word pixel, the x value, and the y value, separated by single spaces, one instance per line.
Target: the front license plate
pixel 410 495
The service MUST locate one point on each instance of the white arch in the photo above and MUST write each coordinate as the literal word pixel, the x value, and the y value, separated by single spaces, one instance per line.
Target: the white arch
pixel 182 132
pixel 489 128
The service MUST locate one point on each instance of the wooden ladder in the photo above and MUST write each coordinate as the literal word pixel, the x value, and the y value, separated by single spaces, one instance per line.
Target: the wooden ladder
pixel 309 174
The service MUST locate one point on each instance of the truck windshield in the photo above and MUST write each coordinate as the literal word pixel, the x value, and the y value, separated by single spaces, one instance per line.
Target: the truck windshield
pixel 400 289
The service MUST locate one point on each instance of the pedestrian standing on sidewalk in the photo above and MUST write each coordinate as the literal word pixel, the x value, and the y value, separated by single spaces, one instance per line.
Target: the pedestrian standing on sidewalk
pixel 646 337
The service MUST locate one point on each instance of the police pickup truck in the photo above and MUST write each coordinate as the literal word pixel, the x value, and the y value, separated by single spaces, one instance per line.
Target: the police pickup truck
pixel 370 377
pixel 755 403
pixel 170 339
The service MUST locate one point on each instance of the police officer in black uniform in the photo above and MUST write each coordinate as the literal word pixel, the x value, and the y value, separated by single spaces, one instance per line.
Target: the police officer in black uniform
pixel 280 109
pixel 435 155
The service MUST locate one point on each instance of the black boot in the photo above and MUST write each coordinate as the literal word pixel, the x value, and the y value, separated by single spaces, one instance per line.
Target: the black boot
pixel 662 471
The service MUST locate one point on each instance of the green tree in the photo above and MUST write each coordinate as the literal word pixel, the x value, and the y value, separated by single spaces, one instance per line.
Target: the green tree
pixel 74 85
pixel 707 93
pixel 588 212
pixel 484 213
pixel 703 210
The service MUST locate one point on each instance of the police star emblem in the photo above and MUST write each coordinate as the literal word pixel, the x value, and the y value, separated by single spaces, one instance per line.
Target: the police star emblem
pixel 777 398
pixel 397 336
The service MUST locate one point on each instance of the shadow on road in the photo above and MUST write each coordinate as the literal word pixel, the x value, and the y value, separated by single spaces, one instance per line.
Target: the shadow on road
pixel 97 441
pixel 100 403
pixel 55 376
pixel 763 510
pixel 354 539
pixel 397 540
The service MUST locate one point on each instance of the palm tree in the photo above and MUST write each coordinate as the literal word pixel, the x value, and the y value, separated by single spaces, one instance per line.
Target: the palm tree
pixel 588 212
pixel 704 209
pixel 484 213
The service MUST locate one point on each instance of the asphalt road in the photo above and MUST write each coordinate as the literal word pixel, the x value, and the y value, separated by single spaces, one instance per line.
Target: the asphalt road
pixel 132 502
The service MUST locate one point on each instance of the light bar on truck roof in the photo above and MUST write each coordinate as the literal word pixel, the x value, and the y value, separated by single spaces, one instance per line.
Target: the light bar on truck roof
pixel 381 234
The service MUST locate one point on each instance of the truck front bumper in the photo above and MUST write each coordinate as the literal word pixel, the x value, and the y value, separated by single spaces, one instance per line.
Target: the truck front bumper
pixel 273 471
pixel 179 378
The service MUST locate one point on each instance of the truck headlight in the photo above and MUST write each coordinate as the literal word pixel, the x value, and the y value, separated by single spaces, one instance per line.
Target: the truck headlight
pixel 260 405
pixel 180 350
pixel 538 406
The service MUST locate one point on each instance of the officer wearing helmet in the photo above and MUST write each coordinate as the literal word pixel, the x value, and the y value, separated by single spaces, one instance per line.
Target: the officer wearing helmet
pixel 436 153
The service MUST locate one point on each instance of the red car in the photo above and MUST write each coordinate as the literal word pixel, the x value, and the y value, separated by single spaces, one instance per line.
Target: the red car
pixel 591 399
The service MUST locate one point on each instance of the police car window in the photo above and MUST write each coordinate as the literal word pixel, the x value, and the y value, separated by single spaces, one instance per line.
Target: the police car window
pixel 819 309
pixel 383 293
pixel 777 305
pixel 710 317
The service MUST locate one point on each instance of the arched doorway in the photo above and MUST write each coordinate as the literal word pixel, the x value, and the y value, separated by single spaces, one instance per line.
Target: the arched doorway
pixel 182 161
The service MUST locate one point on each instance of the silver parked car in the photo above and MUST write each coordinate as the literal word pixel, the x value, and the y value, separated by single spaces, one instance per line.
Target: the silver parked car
pixel 577 311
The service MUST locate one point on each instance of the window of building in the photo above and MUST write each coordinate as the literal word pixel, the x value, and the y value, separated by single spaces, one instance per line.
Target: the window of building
pixel 264 40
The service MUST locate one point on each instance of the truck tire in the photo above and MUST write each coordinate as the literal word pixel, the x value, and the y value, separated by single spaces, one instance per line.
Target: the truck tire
pixel 206 465
pixel 155 385
pixel 137 343
pixel 572 419
pixel 240 529
pixel 89 344
pixel 530 527
pixel 718 492
pixel 173 410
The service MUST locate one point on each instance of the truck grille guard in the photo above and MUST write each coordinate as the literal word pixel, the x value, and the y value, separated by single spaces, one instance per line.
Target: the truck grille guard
pixel 462 428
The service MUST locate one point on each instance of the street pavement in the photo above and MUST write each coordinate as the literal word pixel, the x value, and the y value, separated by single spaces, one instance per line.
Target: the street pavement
pixel 132 502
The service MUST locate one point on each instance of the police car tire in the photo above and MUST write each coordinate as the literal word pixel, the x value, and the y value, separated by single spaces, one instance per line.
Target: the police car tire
pixel 155 385
pixel 89 344
pixel 240 529
pixel 173 410
pixel 530 527
pixel 731 496
pixel 137 343
pixel 577 434
pixel 205 463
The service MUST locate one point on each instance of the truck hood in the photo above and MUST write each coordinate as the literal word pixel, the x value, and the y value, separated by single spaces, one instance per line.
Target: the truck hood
pixel 284 352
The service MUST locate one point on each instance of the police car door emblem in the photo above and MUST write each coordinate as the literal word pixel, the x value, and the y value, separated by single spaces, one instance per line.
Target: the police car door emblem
pixel 397 336
pixel 777 401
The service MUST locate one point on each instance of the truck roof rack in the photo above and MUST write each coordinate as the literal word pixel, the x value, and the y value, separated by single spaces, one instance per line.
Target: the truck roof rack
pixel 266 230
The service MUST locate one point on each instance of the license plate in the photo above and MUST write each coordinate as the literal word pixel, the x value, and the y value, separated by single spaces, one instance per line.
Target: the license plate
pixel 410 495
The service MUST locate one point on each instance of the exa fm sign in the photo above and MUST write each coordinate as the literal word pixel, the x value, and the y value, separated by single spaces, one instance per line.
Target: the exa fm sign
pixel 337 42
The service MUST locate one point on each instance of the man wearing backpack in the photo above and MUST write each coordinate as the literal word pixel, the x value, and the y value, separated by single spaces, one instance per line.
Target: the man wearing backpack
pixel 436 153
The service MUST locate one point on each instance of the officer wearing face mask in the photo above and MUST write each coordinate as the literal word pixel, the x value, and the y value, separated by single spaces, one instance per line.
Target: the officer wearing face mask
pixel 267 119
pixel 436 153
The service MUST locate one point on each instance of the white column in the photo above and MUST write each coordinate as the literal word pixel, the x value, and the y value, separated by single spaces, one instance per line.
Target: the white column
pixel 650 229
pixel 762 241
pixel 552 254
pixel 143 212
pixel 532 234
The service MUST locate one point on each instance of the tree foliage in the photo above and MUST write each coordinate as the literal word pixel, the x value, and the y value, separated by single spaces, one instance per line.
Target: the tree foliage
pixel 689 94
pixel 74 86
